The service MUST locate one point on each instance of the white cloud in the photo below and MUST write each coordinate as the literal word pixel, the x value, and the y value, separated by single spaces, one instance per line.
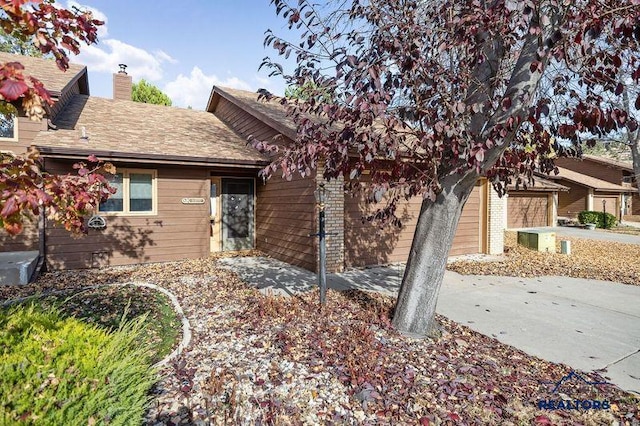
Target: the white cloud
pixel 109 53
pixel 140 63
pixel 164 57
pixel 97 14
pixel 193 90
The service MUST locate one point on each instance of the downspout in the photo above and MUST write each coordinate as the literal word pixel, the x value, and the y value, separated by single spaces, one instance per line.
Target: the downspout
pixel 40 267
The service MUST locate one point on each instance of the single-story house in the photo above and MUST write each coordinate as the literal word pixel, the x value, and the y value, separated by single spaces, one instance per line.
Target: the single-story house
pixel 533 206
pixel 608 170
pixel 590 193
pixel 188 185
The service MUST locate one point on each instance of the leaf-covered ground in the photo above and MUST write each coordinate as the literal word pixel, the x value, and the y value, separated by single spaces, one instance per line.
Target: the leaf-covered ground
pixel 592 259
pixel 258 359
pixel 627 230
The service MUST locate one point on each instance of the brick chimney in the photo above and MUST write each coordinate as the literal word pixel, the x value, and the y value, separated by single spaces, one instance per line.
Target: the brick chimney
pixel 122 84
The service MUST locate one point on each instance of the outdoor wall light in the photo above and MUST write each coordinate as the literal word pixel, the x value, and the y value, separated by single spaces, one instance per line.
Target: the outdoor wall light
pixel 321 195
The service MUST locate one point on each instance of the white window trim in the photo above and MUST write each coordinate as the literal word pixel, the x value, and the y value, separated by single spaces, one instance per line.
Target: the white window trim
pixel 16 131
pixel 126 199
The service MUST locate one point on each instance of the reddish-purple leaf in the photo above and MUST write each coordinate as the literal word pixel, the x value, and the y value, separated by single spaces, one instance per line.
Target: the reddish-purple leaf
pixel 12 89
pixel 506 103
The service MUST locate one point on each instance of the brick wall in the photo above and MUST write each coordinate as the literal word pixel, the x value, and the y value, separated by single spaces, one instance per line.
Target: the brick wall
pixel 497 221
pixel 122 86
pixel 334 222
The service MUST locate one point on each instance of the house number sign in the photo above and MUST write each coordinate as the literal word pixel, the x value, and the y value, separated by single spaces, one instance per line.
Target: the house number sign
pixel 193 201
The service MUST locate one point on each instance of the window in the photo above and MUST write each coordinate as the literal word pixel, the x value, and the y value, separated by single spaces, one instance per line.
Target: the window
pixel 8 121
pixel 135 194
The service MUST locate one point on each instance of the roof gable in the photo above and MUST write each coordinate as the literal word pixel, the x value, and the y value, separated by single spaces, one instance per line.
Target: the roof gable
pixel 589 181
pixel 47 71
pixel 270 112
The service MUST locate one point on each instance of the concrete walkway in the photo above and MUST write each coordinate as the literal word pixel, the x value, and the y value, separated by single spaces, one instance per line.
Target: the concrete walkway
pixel 596 234
pixel 631 224
pixel 586 324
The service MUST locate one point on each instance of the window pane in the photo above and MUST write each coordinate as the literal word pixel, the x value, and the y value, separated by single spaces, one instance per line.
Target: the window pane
pixel 141 192
pixel 114 203
pixel 7 123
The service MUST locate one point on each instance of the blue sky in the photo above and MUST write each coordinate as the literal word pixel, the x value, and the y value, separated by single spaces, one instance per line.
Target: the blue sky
pixel 183 47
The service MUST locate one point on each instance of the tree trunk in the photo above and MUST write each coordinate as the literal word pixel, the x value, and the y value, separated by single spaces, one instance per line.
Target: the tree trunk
pixel 432 240
pixel 634 144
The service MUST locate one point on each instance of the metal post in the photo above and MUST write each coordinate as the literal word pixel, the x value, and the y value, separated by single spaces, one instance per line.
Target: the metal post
pixel 322 275
pixel 604 214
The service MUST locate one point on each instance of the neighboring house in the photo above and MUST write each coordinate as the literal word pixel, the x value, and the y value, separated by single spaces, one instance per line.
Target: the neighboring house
pixel 535 205
pixel 612 171
pixel 590 193
pixel 188 185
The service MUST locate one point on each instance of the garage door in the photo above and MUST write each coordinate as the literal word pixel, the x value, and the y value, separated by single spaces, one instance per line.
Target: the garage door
pixel 367 244
pixel 525 210
pixel 611 205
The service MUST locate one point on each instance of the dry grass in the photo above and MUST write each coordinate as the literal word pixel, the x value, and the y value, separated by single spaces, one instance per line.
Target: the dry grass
pixel 598 260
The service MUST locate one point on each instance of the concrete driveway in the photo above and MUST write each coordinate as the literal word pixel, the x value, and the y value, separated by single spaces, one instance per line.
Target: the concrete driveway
pixel 586 324
pixel 596 234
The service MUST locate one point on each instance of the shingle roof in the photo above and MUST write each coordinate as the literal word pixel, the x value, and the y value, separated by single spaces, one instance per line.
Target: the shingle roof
pixel 120 126
pixel 609 162
pixel 540 184
pixel 589 181
pixel 46 71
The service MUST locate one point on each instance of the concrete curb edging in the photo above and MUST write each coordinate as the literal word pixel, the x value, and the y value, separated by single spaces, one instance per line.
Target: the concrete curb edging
pixel 186 328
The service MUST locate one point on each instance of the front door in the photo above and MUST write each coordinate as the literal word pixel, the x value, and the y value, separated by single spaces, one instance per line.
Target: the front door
pixel 214 204
pixel 237 214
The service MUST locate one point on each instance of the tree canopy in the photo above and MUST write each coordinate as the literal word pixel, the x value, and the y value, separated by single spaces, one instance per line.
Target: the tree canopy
pixel 430 96
pixel 25 189
pixel 15 43
pixel 147 93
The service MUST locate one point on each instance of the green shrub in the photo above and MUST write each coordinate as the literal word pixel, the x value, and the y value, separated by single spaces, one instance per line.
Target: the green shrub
pixel 60 371
pixel 606 221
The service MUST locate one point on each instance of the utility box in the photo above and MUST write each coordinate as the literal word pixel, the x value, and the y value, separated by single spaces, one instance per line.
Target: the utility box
pixel 538 240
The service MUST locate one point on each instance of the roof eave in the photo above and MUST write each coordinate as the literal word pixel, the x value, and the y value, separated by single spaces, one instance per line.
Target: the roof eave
pixel 275 124
pixel 82 154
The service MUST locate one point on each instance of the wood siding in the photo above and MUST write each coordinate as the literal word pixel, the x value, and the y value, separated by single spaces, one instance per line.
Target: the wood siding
pixel 28 129
pixel 593 169
pixel 27 240
pixel 635 204
pixel 64 98
pixel 177 231
pixel 572 202
pixel 242 122
pixel 367 244
pixel 284 209
pixel 612 205
pixel 284 220
pixel 526 210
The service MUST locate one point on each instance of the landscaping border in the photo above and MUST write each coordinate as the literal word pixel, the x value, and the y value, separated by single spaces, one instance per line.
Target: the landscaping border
pixel 186 327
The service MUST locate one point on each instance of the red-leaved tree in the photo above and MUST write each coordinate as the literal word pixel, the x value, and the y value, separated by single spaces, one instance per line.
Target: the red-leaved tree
pixel 26 190
pixel 429 96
